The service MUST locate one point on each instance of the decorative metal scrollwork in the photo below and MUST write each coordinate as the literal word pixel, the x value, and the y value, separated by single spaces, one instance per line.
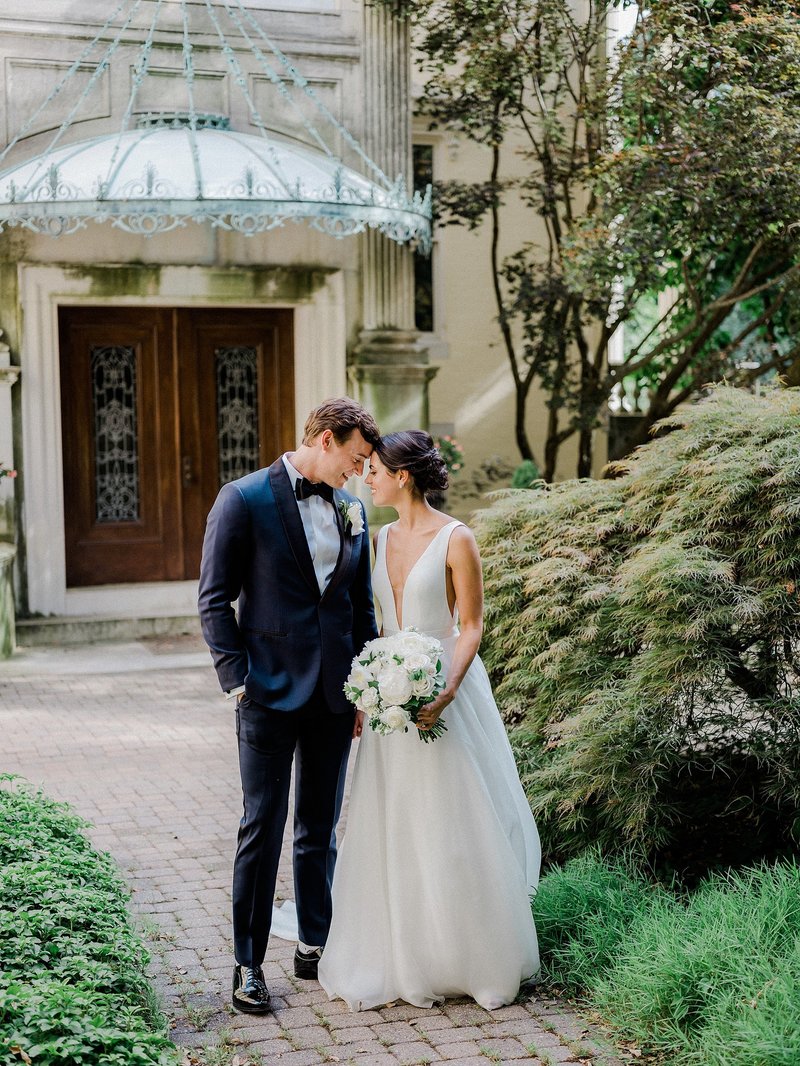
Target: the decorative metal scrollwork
pixel 236 370
pixel 116 443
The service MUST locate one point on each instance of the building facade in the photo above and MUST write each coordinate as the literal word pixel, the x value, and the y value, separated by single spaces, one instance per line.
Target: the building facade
pixel 139 372
pixel 234 334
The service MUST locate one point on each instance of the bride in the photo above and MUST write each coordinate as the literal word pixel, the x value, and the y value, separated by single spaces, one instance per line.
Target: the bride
pixel 431 896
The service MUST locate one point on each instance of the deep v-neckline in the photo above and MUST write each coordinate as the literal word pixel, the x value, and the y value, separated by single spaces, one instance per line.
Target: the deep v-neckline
pixel 398 615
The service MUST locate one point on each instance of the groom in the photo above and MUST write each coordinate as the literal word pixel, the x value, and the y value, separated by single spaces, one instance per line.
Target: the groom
pixel 292 548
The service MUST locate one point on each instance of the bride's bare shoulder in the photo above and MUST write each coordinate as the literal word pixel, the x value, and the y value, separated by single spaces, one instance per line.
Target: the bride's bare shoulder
pixel 462 542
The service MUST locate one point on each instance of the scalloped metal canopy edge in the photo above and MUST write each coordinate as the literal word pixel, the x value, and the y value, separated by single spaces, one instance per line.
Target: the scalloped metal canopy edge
pixel 179 166
pixel 154 179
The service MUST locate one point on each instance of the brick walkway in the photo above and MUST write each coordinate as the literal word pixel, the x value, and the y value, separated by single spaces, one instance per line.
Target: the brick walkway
pixel 147 755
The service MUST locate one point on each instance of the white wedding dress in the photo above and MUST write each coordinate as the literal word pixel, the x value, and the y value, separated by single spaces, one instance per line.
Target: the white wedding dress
pixel 431 896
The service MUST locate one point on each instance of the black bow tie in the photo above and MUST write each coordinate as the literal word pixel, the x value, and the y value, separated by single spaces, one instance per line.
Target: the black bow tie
pixel 303 488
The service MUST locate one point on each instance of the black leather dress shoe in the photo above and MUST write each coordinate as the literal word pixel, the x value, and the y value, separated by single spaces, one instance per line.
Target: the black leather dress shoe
pixel 250 993
pixel 306 964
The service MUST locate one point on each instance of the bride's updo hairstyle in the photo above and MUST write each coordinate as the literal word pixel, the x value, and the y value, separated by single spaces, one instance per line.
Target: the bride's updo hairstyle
pixel 413 450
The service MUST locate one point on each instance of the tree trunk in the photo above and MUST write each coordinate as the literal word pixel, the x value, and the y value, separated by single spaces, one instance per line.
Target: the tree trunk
pixel 585 452
pixel 552 444
pixel 792 376
pixel 519 421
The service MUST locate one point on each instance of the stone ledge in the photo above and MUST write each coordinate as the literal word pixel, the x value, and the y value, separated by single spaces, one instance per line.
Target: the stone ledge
pixel 68 629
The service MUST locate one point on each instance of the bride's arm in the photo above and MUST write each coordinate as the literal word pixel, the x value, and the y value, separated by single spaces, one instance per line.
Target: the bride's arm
pixel 464 563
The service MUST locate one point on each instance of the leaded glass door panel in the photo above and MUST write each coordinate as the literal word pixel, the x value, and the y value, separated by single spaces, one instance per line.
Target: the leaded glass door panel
pixel 159 408
pixel 237 398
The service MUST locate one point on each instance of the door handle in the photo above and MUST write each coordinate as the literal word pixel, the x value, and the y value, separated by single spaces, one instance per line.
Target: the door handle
pixel 188 471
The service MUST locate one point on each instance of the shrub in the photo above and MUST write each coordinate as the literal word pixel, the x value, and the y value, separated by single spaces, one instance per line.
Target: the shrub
pixel 525 474
pixel 72 967
pixel 646 632
pixel 711 980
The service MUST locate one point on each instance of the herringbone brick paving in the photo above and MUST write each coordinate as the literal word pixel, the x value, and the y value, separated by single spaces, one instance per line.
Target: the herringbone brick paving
pixel 148 756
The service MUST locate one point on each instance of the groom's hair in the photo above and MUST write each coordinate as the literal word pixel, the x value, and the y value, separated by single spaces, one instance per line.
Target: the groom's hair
pixel 341 416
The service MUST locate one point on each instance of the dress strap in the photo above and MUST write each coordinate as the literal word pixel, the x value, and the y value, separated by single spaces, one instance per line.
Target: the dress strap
pixel 380 543
pixel 450 527
pixel 445 533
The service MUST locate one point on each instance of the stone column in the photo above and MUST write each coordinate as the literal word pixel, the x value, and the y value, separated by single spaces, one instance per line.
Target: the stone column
pixel 8 378
pixel 389 369
pixel 391 374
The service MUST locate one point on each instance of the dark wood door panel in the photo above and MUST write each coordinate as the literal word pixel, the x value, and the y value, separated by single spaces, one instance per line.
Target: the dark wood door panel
pixel 118 416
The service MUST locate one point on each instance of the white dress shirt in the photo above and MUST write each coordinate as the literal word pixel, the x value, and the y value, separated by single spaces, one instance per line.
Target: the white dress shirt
pixel 321 529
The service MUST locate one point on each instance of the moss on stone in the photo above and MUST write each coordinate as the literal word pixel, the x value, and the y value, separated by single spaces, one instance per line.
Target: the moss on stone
pixel 128 279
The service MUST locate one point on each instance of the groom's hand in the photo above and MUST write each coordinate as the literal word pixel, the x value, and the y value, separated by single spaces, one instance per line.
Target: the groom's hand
pixel 358 725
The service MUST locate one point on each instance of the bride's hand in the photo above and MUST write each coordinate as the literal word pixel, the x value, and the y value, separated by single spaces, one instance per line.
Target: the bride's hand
pixel 358 725
pixel 429 715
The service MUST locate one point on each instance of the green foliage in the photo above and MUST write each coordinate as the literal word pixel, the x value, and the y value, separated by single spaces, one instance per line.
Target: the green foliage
pixel 584 911
pixel 681 210
pixel 645 632
pixel 525 474
pixel 711 980
pixel 451 452
pixel 72 967
pixel 636 185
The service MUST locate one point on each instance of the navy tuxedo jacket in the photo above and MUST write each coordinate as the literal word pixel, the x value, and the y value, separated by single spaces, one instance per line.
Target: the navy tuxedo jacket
pixel 286 636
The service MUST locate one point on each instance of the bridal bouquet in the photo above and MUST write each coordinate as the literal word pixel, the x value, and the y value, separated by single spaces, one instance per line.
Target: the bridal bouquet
pixel 393 677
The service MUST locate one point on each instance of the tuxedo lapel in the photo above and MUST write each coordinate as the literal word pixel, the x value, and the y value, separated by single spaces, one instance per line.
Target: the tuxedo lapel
pixel 346 549
pixel 292 522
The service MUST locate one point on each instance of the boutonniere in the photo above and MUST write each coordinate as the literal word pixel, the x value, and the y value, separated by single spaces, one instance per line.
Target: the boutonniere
pixel 352 517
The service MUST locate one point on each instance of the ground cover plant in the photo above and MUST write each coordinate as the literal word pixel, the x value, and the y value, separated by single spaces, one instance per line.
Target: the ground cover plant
pixel 653 657
pixel 706 979
pixel 73 988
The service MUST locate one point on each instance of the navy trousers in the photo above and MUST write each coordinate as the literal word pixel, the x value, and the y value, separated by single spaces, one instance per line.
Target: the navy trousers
pixel 319 743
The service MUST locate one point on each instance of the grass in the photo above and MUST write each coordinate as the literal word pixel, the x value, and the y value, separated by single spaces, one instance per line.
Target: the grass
pixel 322 1018
pixel 289 1037
pixel 709 979
pixel 583 912
pixel 198 1016
pixel 73 987
pixel 226 1052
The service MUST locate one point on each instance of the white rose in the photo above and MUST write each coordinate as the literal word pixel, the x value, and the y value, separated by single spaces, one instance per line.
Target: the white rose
pixel 403 639
pixel 407 644
pixel 394 685
pixel 416 661
pixel 368 699
pixel 359 677
pixel 395 718
pixel 412 637
pixel 423 686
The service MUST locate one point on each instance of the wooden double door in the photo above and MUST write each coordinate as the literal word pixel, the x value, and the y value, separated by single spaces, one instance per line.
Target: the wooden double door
pixel 160 407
